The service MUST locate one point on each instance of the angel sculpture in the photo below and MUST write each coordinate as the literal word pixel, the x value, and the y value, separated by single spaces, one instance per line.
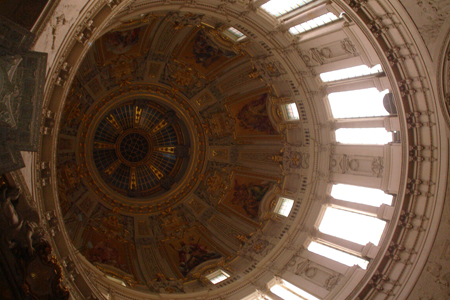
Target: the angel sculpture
pixel 16 230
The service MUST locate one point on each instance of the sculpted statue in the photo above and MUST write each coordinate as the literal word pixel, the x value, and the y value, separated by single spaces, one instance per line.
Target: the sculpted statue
pixel 16 230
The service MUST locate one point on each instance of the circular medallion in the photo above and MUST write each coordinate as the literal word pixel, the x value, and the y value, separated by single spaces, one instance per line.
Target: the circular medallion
pixel 133 147
pixel 140 153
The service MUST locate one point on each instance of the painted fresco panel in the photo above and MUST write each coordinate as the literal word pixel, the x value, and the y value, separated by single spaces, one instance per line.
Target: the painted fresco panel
pixel 246 194
pixel 190 251
pixel 251 116
pixel 107 252
pixel 204 53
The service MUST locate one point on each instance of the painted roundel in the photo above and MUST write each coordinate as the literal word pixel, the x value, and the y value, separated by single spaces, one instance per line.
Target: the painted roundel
pixel 138 147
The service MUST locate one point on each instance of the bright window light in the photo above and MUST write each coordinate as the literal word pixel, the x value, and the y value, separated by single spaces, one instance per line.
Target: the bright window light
pixel 376 136
pixel 337 255
pixel 358 103
pixel 359 194
pixel 298 291
pixel 278 8
pixel 292 111
pixel 354 227
pixel 235 32
pixel 350 73
pixel 311 24
pixel 217 276
pixel 284 206
pixel 284 293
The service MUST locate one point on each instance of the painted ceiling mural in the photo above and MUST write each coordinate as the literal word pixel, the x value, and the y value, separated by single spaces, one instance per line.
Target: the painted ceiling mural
pixel 161 178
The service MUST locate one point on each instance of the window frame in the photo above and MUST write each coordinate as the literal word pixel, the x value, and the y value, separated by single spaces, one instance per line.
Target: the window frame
pixel 227 33
pixel 279 205
pixel 216 274
pixel 285 110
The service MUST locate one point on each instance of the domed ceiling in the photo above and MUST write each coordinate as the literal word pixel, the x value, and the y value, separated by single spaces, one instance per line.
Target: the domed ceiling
pixel 162 177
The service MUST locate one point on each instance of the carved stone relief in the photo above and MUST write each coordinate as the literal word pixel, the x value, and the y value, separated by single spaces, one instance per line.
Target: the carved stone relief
pixel 434 282
pixel 429 16
pixel 313 272
pixel 292 159
pixel 216 180
pixel 218 122
pixel 233 82
pixel 250 155
pixel 267 70
pixel 328 53
pixel 357 165
pixel 257 247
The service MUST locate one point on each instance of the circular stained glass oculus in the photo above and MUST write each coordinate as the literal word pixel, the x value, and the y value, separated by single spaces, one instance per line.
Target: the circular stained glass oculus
pixel 134 148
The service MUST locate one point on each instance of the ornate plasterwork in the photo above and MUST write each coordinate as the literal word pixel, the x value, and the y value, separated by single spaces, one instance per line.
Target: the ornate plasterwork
pixel 429 16
pixel 167 241
pixel 305 184
pixel 445 101
pixel 165 96
pixel 434 282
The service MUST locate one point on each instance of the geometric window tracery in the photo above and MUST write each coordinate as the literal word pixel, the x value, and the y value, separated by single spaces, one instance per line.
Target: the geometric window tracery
pixel 134 147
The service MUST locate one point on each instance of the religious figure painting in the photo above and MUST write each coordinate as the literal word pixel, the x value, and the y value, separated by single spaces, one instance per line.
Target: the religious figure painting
pixel 205 53
pixel 103 251
pixel 251 116
pixel 190 251
pixel 107 238
pixel 246 195
pixel 120 42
